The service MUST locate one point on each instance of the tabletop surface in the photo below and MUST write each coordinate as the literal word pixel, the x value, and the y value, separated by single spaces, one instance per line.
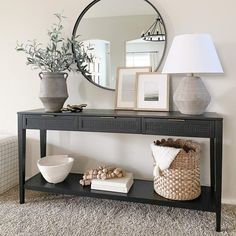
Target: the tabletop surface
pixel 120 113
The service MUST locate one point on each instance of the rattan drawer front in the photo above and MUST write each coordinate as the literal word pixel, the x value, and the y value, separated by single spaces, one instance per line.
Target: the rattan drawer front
pixel 110 124
pixel 50 122
pixel 190 128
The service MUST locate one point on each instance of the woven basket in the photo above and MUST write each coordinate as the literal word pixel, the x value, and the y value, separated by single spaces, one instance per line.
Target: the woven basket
pixel 182 180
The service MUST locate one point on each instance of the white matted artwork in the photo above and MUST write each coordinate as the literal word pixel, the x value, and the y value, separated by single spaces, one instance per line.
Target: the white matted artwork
pixel 152 92
pixel 126 86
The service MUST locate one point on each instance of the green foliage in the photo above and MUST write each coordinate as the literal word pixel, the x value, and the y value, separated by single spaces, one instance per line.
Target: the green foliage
pixel 58 55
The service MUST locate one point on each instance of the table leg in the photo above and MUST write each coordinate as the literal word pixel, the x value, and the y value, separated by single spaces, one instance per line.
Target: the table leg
pixel 212 163
pixel 21 156
pixel 43 143
pixel 218 171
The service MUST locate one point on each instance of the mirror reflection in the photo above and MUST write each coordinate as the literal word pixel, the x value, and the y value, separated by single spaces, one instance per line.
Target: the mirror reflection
pixel 120 33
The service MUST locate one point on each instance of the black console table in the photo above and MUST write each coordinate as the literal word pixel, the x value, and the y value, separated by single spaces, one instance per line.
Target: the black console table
pixel 209 125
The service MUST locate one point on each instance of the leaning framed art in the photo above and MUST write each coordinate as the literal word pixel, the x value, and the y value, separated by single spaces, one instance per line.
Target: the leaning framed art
pixel 126 86
pixel 152 92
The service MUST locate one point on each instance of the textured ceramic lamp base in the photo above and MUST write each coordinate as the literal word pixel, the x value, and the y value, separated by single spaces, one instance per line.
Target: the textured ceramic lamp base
pixel 191 96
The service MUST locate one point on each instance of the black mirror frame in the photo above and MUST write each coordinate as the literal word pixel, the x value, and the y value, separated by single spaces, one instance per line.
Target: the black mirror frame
pixel 79 20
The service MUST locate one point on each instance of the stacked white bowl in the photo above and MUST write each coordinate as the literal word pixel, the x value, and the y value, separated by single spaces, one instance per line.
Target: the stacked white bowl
pixel 55 168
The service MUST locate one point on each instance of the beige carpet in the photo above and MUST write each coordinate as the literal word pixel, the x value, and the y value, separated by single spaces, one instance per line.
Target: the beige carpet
pixel 48 214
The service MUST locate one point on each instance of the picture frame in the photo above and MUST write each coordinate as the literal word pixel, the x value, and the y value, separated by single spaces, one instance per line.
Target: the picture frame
pixel 125 98
pixel 152 92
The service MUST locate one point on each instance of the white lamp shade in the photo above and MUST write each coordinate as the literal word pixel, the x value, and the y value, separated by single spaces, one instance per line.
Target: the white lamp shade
pixel 192 53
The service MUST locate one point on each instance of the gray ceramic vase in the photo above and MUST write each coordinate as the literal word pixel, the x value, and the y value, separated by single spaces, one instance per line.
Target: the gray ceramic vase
pixel 53 90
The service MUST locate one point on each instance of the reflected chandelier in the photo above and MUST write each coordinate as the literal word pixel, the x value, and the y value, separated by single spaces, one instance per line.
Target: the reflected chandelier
pixel 156 32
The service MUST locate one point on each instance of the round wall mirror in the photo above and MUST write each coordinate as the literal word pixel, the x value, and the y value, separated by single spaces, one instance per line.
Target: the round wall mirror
pixel 120 33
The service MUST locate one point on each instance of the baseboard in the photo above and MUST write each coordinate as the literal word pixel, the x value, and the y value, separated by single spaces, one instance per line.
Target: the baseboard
pixel 229 201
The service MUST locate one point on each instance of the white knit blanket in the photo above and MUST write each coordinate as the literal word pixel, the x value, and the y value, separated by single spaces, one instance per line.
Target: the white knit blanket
pixel 163 157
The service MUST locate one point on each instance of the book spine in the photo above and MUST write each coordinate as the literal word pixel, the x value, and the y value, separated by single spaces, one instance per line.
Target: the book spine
pixel 112 188
pixel 120 190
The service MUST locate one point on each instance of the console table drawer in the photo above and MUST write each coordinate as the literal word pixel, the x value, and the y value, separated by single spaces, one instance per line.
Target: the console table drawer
pixel 50 122
pixel 110 124
pixel 175 127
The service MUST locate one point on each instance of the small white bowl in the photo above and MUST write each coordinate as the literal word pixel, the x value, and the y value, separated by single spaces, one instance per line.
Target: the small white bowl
pixel 55 168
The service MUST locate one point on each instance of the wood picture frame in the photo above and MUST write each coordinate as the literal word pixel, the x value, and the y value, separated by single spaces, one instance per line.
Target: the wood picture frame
pixel 152 92
pixel 125 98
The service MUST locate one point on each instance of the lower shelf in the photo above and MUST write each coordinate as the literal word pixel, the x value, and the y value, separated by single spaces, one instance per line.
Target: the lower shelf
pixel 142 191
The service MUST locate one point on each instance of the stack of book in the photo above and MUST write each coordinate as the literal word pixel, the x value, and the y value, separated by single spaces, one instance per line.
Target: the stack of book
pixel 120 185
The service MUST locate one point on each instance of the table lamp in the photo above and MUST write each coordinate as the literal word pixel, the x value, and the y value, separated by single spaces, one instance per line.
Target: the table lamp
pixel 192 54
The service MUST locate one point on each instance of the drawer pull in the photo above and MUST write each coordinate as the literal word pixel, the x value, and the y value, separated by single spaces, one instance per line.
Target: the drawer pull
pixel 107 117
pixel 48 116
pixel 176 120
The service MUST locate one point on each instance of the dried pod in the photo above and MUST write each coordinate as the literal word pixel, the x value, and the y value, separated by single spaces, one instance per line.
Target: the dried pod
pixel 85 182
pixel 89 177
pixel 186 149
pixel 103 176
pixel 120 175
pixel 94 176
pixel 116 172
pixel 163 141
pixel 169 142
pixel 110 168
pixel 157 142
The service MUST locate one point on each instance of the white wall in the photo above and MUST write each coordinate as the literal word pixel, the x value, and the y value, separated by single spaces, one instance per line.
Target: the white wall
pixel 19 86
